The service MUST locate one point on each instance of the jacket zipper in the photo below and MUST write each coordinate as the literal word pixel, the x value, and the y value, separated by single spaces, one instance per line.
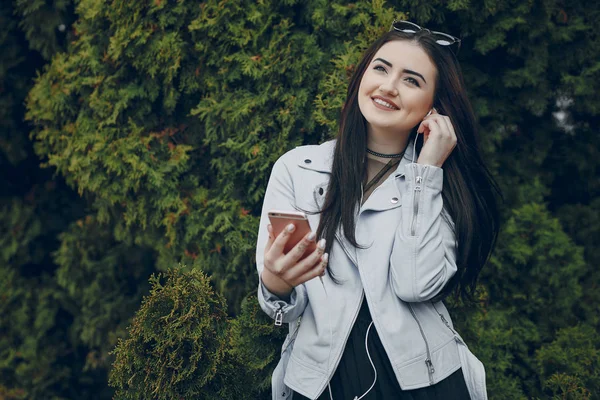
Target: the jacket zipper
pixel 416 197
pixel 279 316
pixel 457 337
pixel 444 320
pixel 428 362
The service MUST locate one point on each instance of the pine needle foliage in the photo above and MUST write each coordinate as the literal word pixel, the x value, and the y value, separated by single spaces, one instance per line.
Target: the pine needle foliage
pixel 181 344
pixel 177 341
pixel 525 304
pixel 164 119
pixel 256 347
pixel 570 365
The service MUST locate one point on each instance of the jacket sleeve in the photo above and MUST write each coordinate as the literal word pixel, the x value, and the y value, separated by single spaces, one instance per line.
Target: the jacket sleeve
pixel 423 257
pixel 279 195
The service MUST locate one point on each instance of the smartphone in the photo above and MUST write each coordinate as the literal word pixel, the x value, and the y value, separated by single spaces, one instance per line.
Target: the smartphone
pixel 280 219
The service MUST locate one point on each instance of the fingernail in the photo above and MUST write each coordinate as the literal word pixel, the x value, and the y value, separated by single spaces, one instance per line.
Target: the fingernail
pixel 325 257
pixel 269 228
pixel 311 236
pixel 322 244
pixel 290 228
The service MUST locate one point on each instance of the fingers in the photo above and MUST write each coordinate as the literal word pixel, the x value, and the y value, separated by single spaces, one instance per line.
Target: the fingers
pixel 324 262
pixel 274 249
pixel 438 125
pixel 289 267
pixel 279 262
pixel 299 268
pixel 317 270
pixel 428 127
pixel 296 253
pixel 439 128
pixel 282 238
pixel 450 129
pixel 309 267
pixel 443 121
pixel 270 239
pixel 425 126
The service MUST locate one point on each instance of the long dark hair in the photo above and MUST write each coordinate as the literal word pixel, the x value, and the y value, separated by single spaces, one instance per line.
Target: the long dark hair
pixel 469 189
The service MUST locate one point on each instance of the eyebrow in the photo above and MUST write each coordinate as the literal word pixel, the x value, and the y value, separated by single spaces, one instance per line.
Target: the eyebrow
pixel 407 71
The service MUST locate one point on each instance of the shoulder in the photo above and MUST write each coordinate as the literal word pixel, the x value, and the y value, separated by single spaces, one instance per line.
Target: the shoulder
pixel 313 156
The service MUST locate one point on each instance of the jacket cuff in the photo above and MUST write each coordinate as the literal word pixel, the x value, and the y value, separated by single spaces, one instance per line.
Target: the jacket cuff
pixel 280 310
pixel 433 177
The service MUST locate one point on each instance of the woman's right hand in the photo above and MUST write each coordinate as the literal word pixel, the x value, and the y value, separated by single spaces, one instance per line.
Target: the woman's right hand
pixel 288 268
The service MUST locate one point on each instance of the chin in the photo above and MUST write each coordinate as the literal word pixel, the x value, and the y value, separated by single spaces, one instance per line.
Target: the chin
pixel 389 128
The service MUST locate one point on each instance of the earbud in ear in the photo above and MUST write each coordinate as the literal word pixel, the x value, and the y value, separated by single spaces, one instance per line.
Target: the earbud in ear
pixel 430 111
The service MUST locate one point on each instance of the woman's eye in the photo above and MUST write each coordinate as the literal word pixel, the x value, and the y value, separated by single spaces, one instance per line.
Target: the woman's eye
pixel 379 68
pixel 413 81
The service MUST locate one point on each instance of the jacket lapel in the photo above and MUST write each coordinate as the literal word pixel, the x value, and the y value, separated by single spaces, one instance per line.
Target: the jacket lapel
pixel 320 159
pixel 385 197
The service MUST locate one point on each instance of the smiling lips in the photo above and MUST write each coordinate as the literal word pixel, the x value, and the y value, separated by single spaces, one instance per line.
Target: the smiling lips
pixel 384 104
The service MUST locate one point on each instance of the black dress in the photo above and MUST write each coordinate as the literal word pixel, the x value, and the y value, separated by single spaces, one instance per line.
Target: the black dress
pixel 354 374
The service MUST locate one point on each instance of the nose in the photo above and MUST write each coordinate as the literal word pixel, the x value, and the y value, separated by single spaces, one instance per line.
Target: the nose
pixel 388 88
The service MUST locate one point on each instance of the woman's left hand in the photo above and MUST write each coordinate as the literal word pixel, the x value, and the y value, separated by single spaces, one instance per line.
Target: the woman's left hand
pixel 439 139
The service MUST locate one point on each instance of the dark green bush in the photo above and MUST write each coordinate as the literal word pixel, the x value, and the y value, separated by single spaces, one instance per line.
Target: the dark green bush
pixel 177 341
pixel 142 135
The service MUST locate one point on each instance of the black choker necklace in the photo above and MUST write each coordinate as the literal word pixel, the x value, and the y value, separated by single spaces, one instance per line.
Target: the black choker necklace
pixel 384 155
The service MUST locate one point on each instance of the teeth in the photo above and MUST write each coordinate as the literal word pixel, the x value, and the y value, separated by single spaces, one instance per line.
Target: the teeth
pixel 384 103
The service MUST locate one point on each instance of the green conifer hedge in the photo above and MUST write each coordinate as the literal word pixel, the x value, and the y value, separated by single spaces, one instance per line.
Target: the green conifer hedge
pixel 138 135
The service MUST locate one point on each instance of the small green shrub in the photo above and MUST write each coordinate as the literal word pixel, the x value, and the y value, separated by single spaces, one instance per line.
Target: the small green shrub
pixel 177 341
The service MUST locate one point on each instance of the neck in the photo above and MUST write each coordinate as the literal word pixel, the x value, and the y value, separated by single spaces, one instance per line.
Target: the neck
pixel 387 144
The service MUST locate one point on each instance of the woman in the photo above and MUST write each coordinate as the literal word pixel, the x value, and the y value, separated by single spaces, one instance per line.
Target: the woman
pixel 400 222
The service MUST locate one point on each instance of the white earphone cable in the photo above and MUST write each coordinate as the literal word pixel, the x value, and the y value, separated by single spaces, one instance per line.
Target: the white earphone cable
pixel 415 145
pixel 371 361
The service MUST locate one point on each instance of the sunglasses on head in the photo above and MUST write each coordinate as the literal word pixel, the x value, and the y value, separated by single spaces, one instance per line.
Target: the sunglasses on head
pixel 441 38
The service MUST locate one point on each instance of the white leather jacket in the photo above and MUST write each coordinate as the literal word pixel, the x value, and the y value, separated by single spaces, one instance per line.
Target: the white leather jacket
pixel 411 256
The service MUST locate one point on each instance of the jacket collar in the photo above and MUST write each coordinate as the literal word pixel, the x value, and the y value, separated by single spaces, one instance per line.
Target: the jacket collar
pixel 320 158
